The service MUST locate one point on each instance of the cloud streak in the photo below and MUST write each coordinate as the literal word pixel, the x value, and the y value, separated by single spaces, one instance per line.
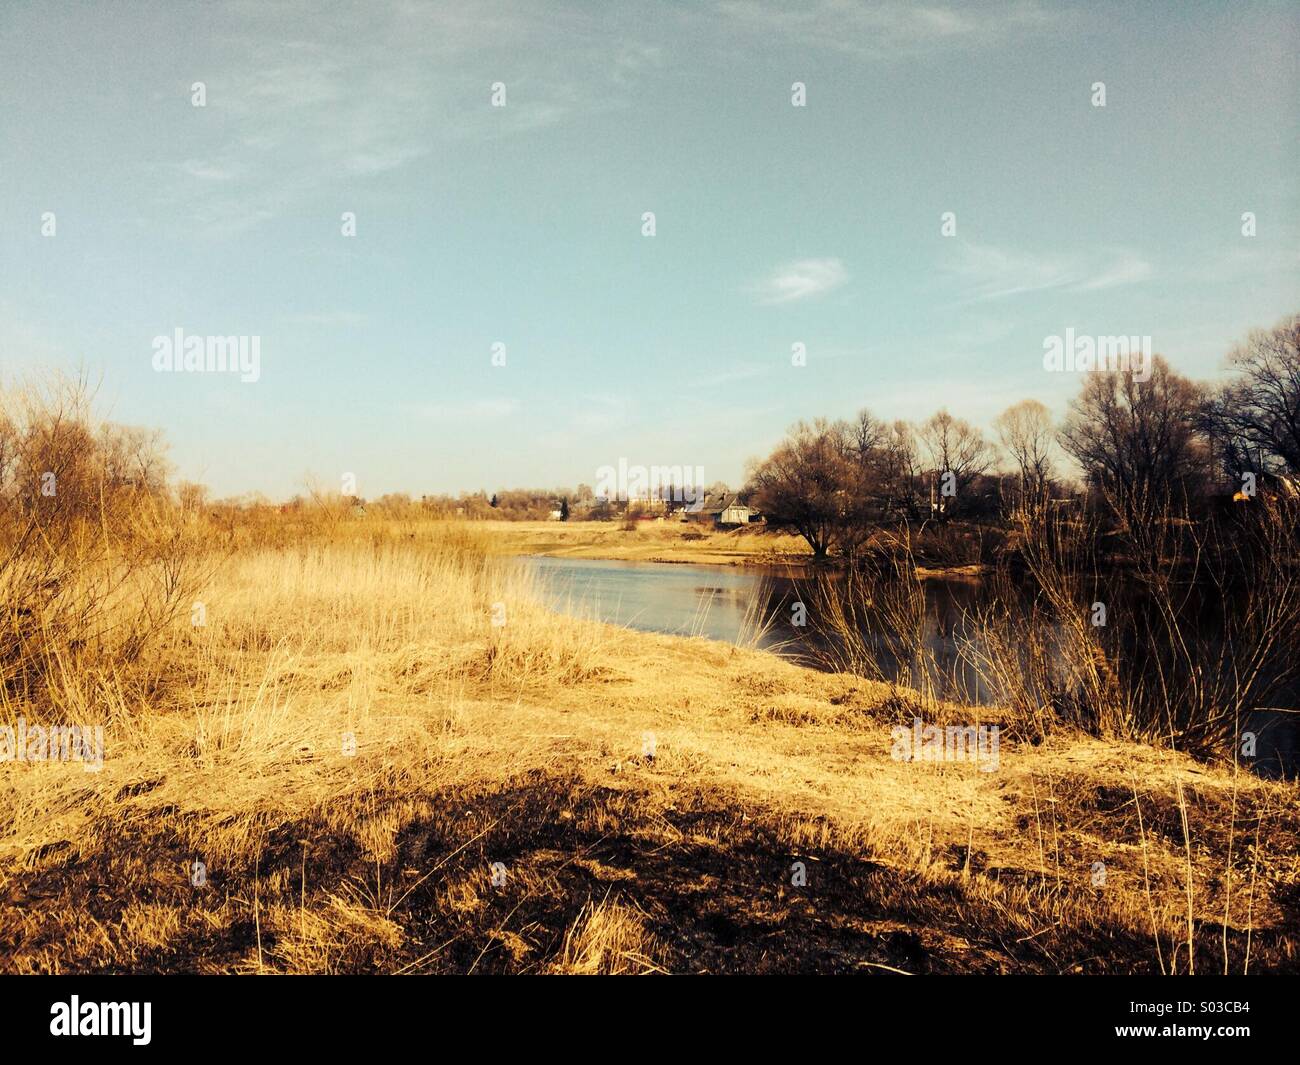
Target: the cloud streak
pixel 802 279
pixel 297 106
pixel 992 273
pixel 883 30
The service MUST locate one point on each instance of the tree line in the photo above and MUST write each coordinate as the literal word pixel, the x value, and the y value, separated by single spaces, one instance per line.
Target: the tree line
pixel 1143 450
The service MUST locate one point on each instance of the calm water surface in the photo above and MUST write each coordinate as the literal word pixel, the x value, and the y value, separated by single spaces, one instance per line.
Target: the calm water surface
pixel 751 606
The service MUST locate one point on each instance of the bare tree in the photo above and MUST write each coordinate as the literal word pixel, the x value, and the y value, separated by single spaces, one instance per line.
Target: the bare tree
pixel 900 472
pixel 955 447
pixel 868 436
pixel 811 483
pixel 869 443
pixel 1025 430
pixel 1256 419
pixel 133 457
pixel 1137 442
pixel 191 496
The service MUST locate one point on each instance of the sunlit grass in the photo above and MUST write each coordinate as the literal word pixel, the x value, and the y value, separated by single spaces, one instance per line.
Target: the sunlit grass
pixel 372 717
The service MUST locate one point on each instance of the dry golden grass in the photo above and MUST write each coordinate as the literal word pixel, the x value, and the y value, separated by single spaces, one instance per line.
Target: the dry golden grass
pixel 608 939
pixel 555 795
pixel 669 540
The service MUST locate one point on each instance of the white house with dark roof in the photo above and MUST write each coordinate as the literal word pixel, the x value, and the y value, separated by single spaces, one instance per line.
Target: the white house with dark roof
pixel 722 510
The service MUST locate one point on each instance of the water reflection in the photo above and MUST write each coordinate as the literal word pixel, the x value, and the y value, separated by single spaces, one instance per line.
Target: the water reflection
pixel 756 607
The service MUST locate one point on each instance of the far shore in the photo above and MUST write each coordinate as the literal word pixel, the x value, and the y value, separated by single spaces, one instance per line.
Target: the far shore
pixel 669 542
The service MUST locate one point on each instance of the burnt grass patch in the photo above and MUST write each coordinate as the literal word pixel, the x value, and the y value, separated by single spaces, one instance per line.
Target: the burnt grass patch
pixel 710 885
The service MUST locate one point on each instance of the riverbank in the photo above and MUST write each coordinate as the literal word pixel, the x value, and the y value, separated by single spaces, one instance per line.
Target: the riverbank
pixel 667 541
pixel 648 541
pixel 386 755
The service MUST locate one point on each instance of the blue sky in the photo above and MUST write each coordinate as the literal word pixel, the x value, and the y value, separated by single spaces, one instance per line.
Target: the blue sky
pixel 522 224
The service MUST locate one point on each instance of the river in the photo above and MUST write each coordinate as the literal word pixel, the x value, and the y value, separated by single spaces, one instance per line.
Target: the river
pixel 754 606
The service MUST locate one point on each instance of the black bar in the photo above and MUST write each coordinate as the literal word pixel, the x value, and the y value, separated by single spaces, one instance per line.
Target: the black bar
pixel 337 1014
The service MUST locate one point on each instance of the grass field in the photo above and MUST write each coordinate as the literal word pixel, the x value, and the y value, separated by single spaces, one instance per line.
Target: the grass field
pixel 648 541
pixel 671 541
pixel 554 795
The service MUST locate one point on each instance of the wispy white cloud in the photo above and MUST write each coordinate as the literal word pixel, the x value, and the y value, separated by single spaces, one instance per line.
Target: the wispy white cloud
pixel 992 273
pixel 721 378
pixel 1128 269
pixel 297 104
pixel 223 217
pixel 801 279
pixel 207 171
pixel 886 29
pixel 995 273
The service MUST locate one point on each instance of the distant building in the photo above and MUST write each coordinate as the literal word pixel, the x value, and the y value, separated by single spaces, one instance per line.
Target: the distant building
pixel 722 510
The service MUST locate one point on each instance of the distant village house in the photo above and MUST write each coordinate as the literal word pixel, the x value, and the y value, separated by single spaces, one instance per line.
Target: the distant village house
pixel 723 510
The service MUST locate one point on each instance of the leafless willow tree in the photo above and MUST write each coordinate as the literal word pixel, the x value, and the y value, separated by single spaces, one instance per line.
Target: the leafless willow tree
pixel 1137 442
pixel 809 484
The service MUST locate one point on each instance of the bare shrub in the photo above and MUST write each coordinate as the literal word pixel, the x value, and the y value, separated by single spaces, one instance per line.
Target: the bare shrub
pixel 1201 634
pixel 872 620
pixel 96 558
